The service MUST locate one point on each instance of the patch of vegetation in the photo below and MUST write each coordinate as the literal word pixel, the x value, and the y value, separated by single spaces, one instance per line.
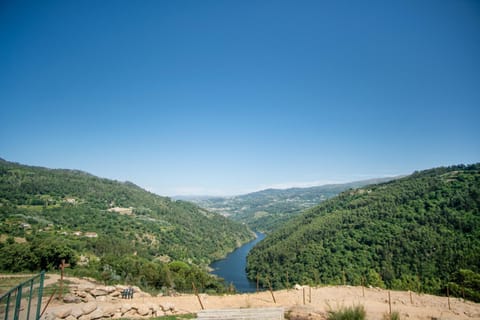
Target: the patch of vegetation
pixel 7 283
pixel 55 289
pixel 348 313
pixel 395 315
pixel 419 233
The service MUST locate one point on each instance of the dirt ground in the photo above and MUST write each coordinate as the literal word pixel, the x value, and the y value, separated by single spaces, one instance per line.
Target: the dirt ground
pixel 316 302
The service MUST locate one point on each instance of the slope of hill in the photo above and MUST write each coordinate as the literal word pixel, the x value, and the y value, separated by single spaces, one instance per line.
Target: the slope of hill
pixel 418 232
pixel 48 214
pixel 266 210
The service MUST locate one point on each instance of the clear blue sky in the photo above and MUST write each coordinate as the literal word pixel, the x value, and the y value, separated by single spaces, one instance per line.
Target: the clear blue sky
pixel 226 97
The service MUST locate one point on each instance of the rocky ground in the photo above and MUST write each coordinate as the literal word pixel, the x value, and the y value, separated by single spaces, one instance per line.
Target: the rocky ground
pixel 90 301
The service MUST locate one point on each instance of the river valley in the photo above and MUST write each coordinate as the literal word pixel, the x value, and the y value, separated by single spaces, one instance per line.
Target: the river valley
pixel 232 267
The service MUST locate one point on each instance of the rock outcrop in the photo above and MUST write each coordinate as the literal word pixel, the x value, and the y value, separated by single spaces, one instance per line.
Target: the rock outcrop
pixel 91 302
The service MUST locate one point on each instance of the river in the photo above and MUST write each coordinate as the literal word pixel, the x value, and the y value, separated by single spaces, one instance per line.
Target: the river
pixel 233 267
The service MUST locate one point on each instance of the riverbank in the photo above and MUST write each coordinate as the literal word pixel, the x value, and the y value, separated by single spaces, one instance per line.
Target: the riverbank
pixel 313 305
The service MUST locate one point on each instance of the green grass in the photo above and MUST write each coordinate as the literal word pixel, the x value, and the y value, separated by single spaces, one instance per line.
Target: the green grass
pixel 48 290
pixel 9 283
pixel 348 313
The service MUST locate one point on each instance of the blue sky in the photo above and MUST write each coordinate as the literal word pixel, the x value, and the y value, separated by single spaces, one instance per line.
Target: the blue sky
pixel 227 97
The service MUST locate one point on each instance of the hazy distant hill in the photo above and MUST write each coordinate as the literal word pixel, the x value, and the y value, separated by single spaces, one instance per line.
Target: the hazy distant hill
pixel 267 209
pixel 418 232
pixel 46 214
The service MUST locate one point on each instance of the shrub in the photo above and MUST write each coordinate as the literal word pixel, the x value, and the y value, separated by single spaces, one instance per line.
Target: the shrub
pixel 394 316
pixel 348 313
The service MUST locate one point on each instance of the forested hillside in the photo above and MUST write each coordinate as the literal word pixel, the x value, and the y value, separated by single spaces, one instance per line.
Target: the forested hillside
pixel 266 210
pixel 419 232
pixel 109 229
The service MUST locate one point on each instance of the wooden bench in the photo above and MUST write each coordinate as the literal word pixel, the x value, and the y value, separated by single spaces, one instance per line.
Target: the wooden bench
pixel 276 313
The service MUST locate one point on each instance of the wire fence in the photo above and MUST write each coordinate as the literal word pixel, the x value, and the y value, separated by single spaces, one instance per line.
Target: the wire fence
pixel 24 301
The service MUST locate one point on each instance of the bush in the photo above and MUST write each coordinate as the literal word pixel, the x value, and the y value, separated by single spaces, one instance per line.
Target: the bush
pixel 348 313
pixel 394 316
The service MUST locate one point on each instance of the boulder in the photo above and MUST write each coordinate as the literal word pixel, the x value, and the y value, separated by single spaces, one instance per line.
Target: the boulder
pixel 89 308
pixel 88 299
pixel 110 310
pixel 117 315
pixel 86 287
pixel 125 308
pixel 49 316
pixel 77 312
pixel 157 312
pixel 115 294
pixel 63 313
pixel 70 298
pixel 70 317
pixel 101 298
pixel 167 306
pixel 109 289
pixel 143 311
pixel 97 314
pixel 85 317
pixel 130 314
pixel 98 292
pixel 119 287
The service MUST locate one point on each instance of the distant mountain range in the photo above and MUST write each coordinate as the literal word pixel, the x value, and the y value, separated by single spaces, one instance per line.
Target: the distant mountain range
pixel 267 209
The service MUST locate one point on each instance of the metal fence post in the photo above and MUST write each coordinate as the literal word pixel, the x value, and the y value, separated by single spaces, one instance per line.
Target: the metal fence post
pixel 18 302
pixel 30 299
pixel 7 306
pixel 40 293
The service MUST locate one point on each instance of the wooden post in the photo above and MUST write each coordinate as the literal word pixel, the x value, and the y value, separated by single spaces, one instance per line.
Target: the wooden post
pixel 448 297
pixel 288 284
pixel 309 294
pixel 198 297
pixel 411 299
pixel 257 282
pixel 62 267
pixel 389 305
pixel 271 290
pixel 304 295
pixel 363 287
pixel 344 278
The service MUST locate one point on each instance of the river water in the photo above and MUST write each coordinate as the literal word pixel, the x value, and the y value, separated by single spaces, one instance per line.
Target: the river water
pixel 233 267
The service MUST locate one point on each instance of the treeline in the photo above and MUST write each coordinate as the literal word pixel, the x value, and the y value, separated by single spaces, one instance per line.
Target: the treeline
pixel 109 261
pixel 82 215
pixel 420 233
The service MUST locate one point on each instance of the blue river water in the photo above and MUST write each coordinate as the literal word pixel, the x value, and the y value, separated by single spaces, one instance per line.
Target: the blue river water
pixel 233 267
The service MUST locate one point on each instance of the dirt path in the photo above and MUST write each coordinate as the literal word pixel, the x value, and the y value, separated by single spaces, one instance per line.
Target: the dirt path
pixel 313 303
pixel 318 302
